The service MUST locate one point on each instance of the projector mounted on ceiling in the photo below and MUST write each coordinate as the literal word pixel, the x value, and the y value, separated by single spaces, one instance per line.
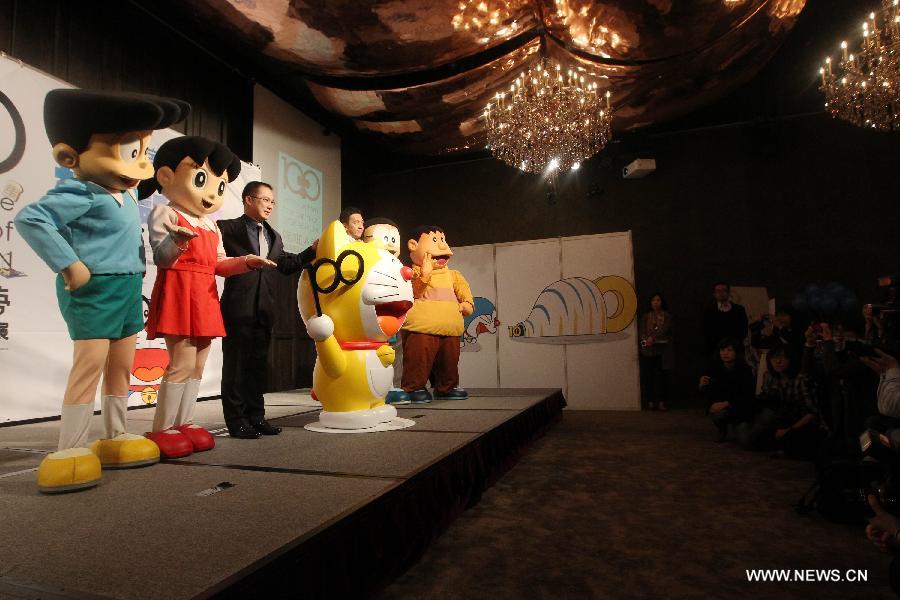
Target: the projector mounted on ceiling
pixel 639 168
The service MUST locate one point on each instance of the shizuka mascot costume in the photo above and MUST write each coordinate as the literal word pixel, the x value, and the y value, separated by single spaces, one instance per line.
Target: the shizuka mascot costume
pixel 353 297
pixel 192 173
pixel 88 230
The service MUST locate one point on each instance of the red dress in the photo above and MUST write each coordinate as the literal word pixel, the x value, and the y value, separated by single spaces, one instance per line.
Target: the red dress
pixel 185 300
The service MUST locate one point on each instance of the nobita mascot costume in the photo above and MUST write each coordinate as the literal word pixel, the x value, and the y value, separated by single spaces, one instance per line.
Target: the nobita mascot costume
pixel 192 173
pixel 353 297
pixel 432 329
pixel 88 230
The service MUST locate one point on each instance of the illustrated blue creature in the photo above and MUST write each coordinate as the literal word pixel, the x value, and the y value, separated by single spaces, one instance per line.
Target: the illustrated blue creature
pixel 482 320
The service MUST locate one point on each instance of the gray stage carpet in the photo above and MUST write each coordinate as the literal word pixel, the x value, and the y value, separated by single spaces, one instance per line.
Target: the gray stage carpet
pixel 206 523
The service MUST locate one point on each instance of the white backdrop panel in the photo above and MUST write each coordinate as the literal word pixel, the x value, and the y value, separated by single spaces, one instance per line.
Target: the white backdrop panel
pixel 523 269
pixel 567 333
pixel 478 358
pixel 602 374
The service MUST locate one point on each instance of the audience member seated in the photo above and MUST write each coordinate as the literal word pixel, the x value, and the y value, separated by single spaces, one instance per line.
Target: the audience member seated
pixel 723 320
pixel 727 385
pixel 787 418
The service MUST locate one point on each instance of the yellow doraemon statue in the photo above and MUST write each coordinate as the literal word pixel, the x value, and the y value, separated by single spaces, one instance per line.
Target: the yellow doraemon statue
pixel 352 298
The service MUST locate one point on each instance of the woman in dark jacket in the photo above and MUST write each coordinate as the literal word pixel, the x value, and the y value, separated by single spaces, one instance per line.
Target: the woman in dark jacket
pixel 657 354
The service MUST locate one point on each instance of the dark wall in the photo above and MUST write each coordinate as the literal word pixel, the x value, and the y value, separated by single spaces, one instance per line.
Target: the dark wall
pixel 776 204
pixel 118 46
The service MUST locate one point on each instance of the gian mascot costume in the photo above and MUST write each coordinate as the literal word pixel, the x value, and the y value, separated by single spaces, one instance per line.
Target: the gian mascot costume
pixel 431 333
pixel 88 231
pixel 353 298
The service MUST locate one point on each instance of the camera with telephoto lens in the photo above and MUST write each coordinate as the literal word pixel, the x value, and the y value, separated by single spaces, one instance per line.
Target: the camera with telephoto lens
pixel 888 313
pixel 878 472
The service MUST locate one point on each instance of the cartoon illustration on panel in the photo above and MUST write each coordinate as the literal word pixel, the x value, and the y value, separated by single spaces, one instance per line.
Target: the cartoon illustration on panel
pixel 150 362
pixel 579 310
pixel 483 320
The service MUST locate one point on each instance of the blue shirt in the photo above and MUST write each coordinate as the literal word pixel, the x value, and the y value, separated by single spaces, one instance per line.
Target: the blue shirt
pixel 80 220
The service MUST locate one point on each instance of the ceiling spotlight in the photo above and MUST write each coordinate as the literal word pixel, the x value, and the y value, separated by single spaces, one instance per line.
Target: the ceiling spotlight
pixel 576 166
pixel 554 164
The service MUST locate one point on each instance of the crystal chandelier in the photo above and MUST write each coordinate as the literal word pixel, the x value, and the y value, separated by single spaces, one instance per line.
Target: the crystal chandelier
pixel 864 88
pixel 548 119
pixel 478 15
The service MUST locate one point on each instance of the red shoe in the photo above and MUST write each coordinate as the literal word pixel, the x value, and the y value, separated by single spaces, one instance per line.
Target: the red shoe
pixel 172 444
pixel 200 438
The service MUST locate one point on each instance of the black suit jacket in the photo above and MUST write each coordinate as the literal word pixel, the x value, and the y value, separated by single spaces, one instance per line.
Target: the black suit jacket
pixel 249 299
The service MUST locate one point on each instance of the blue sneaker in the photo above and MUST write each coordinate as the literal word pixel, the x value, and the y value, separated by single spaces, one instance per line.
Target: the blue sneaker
pixel 454 394
pixel 397 397
pixel 421 396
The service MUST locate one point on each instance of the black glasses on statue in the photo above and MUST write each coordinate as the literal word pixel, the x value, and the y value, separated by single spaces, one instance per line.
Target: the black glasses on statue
pixel 325 275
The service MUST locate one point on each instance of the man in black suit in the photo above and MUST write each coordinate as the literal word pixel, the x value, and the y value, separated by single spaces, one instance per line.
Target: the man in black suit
pixel 248 307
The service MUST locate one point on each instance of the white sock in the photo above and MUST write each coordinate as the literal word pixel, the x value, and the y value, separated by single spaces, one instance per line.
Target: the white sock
pixel 75 424
pixel 185 414
pixel 167 404
pixel 115 414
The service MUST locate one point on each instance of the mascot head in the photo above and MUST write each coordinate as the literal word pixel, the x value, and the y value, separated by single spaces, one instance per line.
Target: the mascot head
pixel 364 289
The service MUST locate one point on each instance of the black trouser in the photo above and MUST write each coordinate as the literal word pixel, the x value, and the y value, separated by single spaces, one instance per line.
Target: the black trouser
pixel 655 380
pixel 245 354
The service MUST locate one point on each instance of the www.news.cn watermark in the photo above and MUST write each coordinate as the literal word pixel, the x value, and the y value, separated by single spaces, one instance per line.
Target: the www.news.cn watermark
pixel 808 575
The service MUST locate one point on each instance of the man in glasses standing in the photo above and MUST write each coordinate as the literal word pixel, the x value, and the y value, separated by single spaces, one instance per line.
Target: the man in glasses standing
pixel 248 308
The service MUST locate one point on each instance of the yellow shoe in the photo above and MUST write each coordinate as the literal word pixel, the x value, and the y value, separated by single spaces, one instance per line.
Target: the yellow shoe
pixel 68 470
pixel 126 451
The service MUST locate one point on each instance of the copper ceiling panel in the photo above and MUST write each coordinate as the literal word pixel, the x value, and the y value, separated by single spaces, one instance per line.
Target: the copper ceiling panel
pixel 646 31
pixel 383 37
pixel 416 74
pixel 445 115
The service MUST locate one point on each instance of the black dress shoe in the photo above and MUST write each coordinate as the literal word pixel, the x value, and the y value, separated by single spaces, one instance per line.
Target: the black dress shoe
pixel 264 427
pixel 243 431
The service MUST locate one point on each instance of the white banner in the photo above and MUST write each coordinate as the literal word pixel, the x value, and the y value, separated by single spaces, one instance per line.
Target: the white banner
pixel 35 349
pixel 298 212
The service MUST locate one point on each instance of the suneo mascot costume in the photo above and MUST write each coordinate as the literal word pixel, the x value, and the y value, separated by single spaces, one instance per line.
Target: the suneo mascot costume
pixel 353 298
pixel 192 173
pixel 384 233
pixel 88 230
pixel 432 329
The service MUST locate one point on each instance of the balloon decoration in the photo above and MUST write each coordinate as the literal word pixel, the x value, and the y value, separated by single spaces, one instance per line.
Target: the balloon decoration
pixel 827 299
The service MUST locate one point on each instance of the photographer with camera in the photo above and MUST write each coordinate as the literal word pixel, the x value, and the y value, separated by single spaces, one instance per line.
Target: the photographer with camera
pixel 888 372
pixel 657 353
pixel 883 531
pixel 872 327
pixel 771 330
